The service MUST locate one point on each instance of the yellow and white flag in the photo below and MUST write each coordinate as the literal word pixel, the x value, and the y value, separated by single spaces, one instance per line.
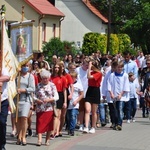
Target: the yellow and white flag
pixel 10 62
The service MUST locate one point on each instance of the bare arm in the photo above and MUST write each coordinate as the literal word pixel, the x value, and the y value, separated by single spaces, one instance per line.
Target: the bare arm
pixel 89 76
pixel 4 78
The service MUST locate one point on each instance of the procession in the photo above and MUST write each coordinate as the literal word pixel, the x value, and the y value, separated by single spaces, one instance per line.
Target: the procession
pixel 51 89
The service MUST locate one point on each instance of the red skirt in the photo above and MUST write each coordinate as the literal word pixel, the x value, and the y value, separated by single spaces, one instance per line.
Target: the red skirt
pixel 44 121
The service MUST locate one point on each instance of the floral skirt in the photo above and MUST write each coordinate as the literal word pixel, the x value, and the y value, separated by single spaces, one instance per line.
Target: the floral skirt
pixel 44 121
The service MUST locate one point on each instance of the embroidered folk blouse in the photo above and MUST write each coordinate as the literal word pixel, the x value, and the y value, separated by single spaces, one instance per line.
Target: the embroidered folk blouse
pixel 44 92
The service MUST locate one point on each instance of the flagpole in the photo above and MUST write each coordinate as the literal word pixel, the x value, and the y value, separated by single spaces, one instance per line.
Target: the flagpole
pixel 19 78
pixel 3 9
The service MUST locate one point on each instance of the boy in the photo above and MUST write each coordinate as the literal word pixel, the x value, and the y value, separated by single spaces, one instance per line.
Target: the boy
pixel 132 103
pixel 118 88
pixel 73 107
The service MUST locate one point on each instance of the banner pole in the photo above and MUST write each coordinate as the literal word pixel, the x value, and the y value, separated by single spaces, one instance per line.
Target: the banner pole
pixel 18 97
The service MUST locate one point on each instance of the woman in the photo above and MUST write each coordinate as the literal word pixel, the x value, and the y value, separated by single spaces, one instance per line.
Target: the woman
pixel 25 89
pixel 59 80
pixel 69 90
pixel 92 98
pixel 46 95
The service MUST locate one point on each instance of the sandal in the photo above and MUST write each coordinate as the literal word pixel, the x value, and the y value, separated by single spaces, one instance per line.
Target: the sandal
pixel 39 143
pixel 47 143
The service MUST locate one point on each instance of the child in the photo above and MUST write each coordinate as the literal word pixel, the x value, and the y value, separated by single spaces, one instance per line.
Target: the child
pixel 132 103
pixel 73 107
pixel 118 87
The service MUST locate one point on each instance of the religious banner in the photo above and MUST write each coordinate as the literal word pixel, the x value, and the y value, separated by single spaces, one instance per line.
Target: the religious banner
pixel 12 65
pixel 21 40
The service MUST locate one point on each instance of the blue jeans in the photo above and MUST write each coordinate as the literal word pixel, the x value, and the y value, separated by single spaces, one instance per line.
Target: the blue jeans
pixel 3 120
pixel 102 114
pixel 131 108
pixel 72 118
pixel 119 105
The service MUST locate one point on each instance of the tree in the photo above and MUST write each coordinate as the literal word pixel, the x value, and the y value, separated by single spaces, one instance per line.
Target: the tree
pixel 131 17
pixel 59 48
pixel 53 47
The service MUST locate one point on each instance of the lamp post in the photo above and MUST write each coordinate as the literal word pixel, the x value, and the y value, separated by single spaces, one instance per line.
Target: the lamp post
pixel 109 27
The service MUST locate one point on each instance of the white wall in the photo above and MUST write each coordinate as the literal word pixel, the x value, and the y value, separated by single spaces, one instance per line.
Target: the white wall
pixel 78 20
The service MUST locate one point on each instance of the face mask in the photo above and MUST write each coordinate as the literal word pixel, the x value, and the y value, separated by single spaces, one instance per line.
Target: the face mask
pixel 25 69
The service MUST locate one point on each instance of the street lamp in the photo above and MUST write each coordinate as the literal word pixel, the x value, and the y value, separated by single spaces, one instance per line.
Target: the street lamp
pixel 109 27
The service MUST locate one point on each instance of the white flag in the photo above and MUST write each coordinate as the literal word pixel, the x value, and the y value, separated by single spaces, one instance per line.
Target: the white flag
pixel 10 62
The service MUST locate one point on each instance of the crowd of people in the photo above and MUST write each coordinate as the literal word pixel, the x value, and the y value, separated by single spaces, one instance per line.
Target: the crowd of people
pixel 83 92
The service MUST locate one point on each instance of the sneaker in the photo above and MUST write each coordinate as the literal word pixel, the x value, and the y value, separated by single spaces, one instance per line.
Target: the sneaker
pixel 30 132
pixel 71 133
pixel 92 130
pixel 133 120
pixel 128 121
pixel 85 130
pixel 103 124
pixel 118 128
pixel 81 129
pixel 13 134
pixel 112 125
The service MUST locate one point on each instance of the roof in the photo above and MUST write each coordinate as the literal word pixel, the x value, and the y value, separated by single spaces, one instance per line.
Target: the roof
pixel 44 7
pixel 95 11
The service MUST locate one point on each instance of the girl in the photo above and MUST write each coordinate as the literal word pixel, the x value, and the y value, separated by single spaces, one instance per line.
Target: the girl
pixel 92 98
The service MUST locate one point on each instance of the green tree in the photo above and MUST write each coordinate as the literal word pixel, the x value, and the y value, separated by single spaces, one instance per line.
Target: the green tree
pixel 53 47
pixel 57 47
pixel 131 17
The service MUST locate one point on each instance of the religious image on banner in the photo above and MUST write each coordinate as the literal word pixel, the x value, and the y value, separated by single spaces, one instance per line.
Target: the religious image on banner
pixel 21 36
pixel 21 45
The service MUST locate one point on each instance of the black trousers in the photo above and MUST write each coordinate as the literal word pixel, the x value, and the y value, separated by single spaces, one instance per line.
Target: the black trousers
pixel 3 120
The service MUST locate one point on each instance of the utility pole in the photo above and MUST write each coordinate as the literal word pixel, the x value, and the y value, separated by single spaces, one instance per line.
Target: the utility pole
pixel 109 27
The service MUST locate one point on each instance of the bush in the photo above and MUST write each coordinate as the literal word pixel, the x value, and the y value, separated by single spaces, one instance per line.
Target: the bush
pixel 124 42
pixel 53 47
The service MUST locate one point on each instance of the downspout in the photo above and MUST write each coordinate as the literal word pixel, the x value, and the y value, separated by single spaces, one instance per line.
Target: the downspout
pixel 39 31
pixel 60 26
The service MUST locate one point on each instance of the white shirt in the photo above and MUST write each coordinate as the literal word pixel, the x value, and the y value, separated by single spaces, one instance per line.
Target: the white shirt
pixel 82 75
pixel 140 59
pixel 105 91
pixel 118 84
pixel 77 88
pixel 4 95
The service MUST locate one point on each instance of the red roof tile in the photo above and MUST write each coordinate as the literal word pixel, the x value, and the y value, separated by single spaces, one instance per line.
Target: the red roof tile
pixel 44 7
pixel 95 11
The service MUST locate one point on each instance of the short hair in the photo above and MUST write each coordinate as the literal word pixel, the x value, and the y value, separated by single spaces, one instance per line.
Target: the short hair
pixel 125 53
pixel 54 56
pixel 45 73
pixel 71 64
pixel 121 63
pixel 74 74
pixel 86 60
pixel 114 63
pixel 130 74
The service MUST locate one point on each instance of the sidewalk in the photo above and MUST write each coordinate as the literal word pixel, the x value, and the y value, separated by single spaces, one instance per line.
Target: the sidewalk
pixel 134 136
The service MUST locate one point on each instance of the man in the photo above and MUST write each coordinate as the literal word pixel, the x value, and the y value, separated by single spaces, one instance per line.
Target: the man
pixel 140 59
pixel 82 75
pixel 130 65
pixel 4 78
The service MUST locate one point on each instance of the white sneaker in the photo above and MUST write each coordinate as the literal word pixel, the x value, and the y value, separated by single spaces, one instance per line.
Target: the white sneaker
pixel 92 130
pixel 133 120
pixel 85 130
pixel 128 121
pixel 81 129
